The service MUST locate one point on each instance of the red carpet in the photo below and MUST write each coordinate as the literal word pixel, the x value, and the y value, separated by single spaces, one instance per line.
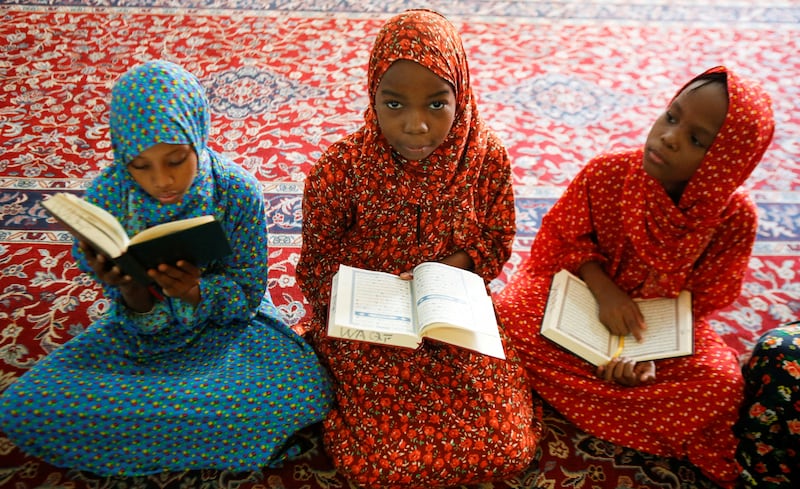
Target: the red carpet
pixel 560 82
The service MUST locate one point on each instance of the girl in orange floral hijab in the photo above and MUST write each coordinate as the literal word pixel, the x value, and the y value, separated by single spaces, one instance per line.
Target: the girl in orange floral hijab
pixel 650 222
pixel 423 180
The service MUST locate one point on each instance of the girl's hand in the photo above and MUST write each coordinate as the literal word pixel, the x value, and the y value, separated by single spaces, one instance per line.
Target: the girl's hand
pixel 134 295
pixel 104 268
pixel 619 313
pixel 459 259
pixel 181 281
pixel 627 372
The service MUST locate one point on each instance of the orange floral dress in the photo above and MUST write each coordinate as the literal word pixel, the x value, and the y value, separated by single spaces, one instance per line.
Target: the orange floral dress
pixel 614 213
pixel 440 415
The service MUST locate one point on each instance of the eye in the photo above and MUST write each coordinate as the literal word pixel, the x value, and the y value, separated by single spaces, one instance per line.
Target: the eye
pixel 393 105
pixel 670 118
pixel 438 105
pixel 138 165
pixel 697 142
pixel 176 161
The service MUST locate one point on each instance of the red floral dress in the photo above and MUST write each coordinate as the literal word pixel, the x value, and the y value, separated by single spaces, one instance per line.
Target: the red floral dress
pixel 440 415
pixel 615 214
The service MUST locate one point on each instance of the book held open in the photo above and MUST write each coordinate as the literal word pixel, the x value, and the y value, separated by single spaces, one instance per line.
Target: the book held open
pixel 442 302
pixel 571 320
pixel 196 240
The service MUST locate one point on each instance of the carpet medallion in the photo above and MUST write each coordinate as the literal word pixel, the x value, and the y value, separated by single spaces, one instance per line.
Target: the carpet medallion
pixel 559 81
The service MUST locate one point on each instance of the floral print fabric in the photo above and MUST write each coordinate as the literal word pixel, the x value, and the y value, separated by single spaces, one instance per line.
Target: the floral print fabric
pixel 222 385
pixel 769 421
pixel 440 415
pixel 615 214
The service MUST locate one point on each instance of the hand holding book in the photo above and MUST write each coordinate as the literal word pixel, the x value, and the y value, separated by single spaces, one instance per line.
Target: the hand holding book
pixel 616 310
pixel 627 371
pixel 571 319
pixel 195 240
pixel 180 281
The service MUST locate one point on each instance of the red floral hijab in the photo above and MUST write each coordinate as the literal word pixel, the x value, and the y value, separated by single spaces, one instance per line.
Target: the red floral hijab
pixel 429 39
pixel 656 226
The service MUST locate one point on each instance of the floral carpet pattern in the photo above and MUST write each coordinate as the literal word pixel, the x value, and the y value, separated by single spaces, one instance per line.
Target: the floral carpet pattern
pixel 560 81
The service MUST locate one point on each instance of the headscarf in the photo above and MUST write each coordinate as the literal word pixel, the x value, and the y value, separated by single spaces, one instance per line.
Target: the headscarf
pixel 427 38
pixel 156 102
pixel 160 102
pixel 657 227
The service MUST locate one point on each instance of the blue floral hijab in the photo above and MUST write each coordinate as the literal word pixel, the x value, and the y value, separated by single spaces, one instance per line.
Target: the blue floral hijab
pixel 156 102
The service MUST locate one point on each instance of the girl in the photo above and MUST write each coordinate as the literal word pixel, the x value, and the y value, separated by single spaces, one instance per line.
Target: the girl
pixel 208 377
pixel 422 180
pixel 769 420
pixel 644 223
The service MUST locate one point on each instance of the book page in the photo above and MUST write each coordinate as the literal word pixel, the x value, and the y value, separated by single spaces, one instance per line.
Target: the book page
pixel 579 319
pixel 454 307
pixel 89 223
pixel 445 294
pixel 667 334
pixel 377 301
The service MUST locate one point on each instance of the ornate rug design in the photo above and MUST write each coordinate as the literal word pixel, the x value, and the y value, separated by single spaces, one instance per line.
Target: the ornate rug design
pixel 559 81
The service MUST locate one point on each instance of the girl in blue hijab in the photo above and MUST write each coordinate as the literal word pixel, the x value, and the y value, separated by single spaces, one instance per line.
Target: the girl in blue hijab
pixel 207 375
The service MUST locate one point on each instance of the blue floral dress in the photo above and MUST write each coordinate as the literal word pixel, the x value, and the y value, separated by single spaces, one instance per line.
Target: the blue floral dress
pixel 769 422
pixel 220 385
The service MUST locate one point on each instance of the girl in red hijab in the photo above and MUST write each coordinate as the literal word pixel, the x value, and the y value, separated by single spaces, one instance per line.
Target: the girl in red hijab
pixel 644 223
pixel 423 180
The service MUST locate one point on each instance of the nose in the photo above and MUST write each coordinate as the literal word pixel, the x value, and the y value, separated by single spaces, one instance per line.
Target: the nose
pixel 415 122
pixel 162 178
pixel 670 138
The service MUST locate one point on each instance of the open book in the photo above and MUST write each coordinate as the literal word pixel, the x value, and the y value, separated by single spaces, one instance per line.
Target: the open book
pixel 442 302
pixel 571 319
pixel 196 240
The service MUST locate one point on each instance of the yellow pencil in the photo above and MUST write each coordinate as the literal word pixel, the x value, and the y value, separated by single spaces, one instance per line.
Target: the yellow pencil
pixel 620 347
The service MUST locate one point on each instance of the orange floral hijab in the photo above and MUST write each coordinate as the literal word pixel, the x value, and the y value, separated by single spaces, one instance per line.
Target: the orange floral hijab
pixel 429 39
pixel 656 226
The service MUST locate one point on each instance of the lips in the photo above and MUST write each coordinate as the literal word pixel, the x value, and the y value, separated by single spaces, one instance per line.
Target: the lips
pixel 655 158
pixel 415 153
pixel 169 198
pixel 416 149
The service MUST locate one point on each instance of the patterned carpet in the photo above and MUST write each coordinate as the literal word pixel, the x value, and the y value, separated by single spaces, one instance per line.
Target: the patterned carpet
pixel 560 81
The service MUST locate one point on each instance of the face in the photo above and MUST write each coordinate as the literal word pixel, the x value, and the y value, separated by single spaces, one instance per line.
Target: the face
pixel 680 138
pixel 165 171
pixel 415 109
